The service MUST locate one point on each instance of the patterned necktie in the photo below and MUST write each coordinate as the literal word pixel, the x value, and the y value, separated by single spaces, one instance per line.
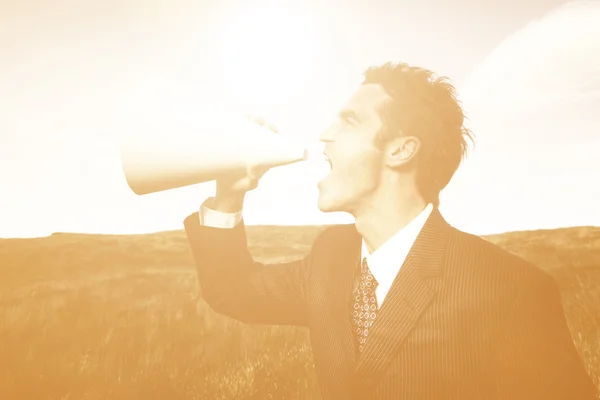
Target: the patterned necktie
pixel 365 305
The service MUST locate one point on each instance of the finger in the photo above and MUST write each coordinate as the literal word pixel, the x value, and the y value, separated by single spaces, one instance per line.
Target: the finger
pixel 258 171
pixel 248 184
pixel 242 185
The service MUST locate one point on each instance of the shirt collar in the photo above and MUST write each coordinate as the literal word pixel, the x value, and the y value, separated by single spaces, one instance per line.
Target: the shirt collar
pixel 395 248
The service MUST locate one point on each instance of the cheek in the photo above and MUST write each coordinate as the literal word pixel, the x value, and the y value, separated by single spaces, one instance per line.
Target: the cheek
pixel 361 169
pixel 369 168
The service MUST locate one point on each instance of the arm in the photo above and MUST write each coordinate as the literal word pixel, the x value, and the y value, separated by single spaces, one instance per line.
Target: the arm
pixel 237 286
pixel 537 358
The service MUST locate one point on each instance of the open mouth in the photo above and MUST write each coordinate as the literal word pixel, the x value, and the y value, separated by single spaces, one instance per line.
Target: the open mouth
pixel 326 167
pixel 328 160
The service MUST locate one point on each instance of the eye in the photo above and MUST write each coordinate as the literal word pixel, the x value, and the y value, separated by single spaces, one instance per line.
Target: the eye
pixel 352 120
pixel 349 118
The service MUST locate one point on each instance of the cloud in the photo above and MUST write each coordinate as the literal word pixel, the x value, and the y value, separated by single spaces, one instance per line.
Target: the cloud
pixel 533 106
pixel 553 59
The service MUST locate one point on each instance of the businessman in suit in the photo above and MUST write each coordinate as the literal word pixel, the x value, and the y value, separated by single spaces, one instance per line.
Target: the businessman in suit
pixel 399 304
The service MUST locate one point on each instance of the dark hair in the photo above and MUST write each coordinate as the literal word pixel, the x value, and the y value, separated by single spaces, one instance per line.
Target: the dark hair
pixel 424 106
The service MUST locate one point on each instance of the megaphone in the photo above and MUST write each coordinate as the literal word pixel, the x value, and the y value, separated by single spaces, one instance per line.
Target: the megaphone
pixel 171 155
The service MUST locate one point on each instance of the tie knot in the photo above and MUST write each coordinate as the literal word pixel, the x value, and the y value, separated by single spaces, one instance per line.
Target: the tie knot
pixel 365 264
pixel 367 275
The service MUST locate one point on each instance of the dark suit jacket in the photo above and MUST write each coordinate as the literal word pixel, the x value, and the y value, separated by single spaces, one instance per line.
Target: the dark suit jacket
pixel 463 319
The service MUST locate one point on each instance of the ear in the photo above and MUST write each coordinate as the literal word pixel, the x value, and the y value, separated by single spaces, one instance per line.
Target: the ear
pixel 401 150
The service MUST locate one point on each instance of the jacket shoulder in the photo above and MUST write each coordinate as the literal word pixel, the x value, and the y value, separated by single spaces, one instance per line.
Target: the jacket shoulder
pixel 488 257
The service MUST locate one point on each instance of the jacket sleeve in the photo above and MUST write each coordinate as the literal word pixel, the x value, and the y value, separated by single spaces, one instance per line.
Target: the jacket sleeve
pixel 235 285
pixel 537 358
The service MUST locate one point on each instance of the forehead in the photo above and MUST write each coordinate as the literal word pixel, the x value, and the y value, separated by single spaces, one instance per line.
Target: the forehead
pixel 367 100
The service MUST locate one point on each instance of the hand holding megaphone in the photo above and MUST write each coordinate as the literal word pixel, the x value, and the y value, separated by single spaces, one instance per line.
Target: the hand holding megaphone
pixel 240 184
pixel 232 189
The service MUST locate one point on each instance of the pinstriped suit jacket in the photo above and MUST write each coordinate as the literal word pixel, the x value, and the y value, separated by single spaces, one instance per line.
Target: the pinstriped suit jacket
pixel 463 319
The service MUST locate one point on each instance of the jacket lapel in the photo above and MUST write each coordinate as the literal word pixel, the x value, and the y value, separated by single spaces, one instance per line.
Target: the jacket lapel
pixel 412 291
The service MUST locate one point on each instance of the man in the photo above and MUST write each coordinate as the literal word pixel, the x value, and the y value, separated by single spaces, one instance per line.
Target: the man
pixel 400 305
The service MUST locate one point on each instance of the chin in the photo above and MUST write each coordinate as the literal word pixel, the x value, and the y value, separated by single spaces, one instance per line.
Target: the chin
pixel 328 203
pixel 323 205
pixel 326 208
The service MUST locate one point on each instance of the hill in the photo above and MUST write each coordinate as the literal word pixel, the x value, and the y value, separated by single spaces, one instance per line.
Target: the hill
pixel 121 316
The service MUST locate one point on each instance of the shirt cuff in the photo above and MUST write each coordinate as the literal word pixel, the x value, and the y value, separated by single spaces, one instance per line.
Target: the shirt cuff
pixel 218 219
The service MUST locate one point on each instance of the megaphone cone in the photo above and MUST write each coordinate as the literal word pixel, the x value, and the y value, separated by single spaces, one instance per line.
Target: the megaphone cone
pixel 157 159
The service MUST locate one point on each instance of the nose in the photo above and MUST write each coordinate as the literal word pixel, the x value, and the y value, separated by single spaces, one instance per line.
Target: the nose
pixel 327 135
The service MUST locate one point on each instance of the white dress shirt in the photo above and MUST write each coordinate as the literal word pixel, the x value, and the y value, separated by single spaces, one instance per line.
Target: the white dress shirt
pixel 384 263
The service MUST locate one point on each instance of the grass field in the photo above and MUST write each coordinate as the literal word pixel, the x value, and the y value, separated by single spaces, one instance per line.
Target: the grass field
pixel 121 317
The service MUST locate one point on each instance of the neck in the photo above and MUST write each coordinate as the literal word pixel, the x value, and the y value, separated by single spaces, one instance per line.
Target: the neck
pixel 387 212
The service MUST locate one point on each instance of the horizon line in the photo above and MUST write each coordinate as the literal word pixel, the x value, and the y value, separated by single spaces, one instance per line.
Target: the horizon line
pixel 74 233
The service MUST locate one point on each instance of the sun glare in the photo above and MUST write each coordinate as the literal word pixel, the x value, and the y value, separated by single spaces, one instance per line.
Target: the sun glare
pixel 268 55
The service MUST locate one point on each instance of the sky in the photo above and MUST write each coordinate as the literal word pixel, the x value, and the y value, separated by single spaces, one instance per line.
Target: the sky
pixel 78 75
